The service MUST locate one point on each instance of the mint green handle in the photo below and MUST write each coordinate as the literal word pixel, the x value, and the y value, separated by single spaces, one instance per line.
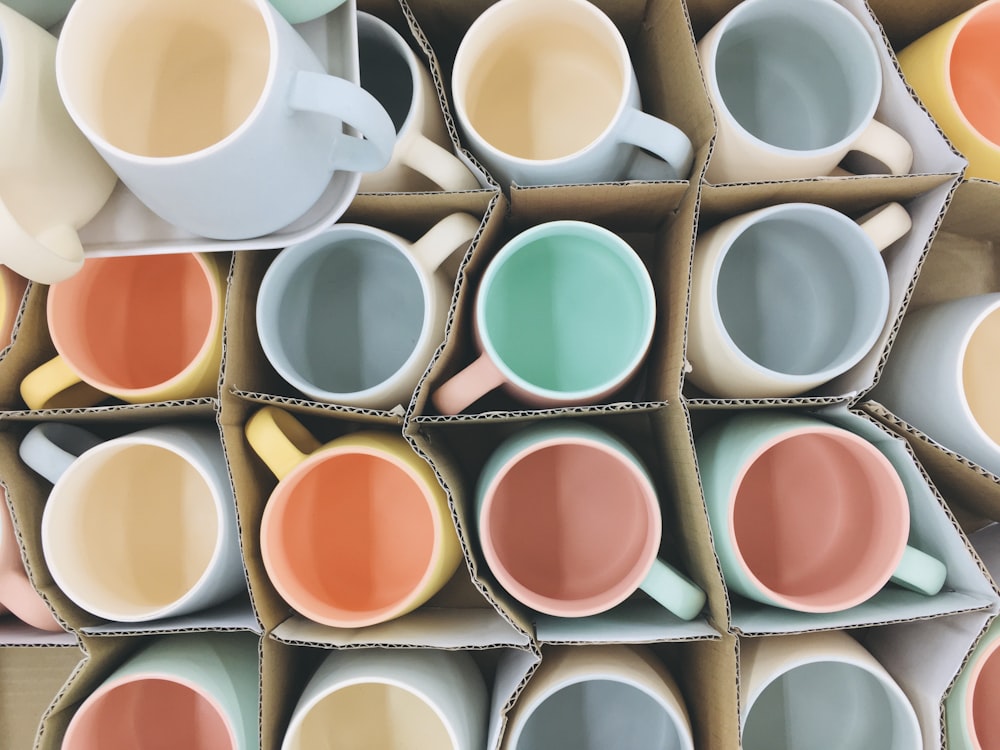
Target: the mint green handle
pixel 672 589
pixel 918 571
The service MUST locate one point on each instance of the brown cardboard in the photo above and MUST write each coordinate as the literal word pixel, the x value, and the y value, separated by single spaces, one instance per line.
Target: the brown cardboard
pixel 30 676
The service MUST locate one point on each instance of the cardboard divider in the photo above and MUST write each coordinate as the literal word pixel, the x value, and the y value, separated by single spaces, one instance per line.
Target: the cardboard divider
pixel 30 678
pixel 657 34
pixel 925 199
pixel 459 450
pixel 932 530
pixel 288 667
pixel 27 493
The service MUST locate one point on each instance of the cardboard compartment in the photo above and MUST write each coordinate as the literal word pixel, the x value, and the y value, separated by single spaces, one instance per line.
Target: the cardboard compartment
pixel 932 530
pixel 287 668
pixel 659 436
pixel 30 678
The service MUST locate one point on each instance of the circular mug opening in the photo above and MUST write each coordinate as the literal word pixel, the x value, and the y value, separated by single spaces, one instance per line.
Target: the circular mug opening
pixel 130 530
pixel 348 538
pixel 385 69
pixel 820 520
pixel 980 364
pixel 974 70
pixel 983 719
pixel 570 528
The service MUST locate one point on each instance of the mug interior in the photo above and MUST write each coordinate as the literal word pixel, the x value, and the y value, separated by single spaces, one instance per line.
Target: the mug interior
pixel 343 315
pixel 974 71
pixel 134 322
pixel 150 712
pixel 130 530
pixel 827 704
pixel 820 519
pixel 541 81
pixel 567 310
pixel 156 79
pixel 980 364
pixel 798 76
pixel 385 69
pixel 371 714
pixel 570 527
pixel 802 292
pixel 983 718
pixel 600 713
pixel 348 537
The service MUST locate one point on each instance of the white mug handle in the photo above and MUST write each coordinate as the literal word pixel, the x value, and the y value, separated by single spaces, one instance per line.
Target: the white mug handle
pixel 53 255
pixel 51 448
pixel 659 137
pixel 337 97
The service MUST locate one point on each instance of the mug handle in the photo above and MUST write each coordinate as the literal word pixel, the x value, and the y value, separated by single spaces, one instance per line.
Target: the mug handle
pixel 659 137
pixel 918 571
pixel 673 590
pixel 886 224
pixel 887 146
pixel 467 386
pixel 280 440
pixel 50 449
pixel 438 164
pixel 55 385
pixel 443 239
pixel 337 97
pixel 54 255
pixel 17 595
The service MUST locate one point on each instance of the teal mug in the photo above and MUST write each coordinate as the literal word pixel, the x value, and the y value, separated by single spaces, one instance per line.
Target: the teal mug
pixel 564 316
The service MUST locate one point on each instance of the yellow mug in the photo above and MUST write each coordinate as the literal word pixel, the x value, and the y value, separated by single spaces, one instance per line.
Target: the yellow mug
pixel 142 328
pixel 952 68
pixel 357 531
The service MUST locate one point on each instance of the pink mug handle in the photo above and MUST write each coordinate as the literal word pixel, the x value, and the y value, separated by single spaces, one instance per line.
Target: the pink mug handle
pixel 467 386
pixel 17 594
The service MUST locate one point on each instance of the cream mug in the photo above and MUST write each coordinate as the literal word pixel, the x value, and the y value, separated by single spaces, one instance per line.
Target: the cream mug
pixel 795 85
pixel 179 546
pixel 52 181
pixel 232 133
pixel 545 93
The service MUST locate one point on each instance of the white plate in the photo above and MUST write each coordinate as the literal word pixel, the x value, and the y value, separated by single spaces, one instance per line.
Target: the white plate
pixel 126 227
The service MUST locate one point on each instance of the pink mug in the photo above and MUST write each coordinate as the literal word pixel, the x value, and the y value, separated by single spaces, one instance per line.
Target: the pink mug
pixel 17 595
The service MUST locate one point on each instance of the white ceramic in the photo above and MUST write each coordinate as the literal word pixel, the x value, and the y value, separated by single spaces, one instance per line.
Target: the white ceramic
pixel 392 699
pixel 820 690
pixel 244 132
pixel 545 93
pixel 596 697
pixel 786 298
pixel 353 316
pixel 795 85
pixel 422 158
pixel 138 527
pixel 941 375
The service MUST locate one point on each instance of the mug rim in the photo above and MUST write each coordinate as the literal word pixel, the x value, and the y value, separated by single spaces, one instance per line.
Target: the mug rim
pixel 282 496
pixel 958 368
pixel 608 240
pixel 718 102
pixel 384 32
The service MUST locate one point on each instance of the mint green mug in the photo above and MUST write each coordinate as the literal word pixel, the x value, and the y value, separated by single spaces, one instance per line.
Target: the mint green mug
pixel 564 316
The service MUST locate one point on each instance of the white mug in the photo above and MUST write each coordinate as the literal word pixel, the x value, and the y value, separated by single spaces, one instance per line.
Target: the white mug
pixel 940 375
pixel 392 699
pixel 545 93
pixel 786 298
pixel 422 158
pixel 234 132
pixel 139 527
pixel 795 85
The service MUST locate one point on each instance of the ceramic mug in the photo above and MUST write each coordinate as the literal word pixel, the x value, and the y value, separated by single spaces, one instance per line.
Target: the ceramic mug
pixel 971 719
pixel 198 691
pixel 940 375
pixel 156 504
pixel 357 531
pixel 545 93
pixel 564 315
pixel 235 132
pixel 12 289
pixel 824 689
pixel 353 315
pixel 786 298
pixel 17 595
pixel 141 328
pixel 46 13
pixel 392 699
pixel 599 696
pixel 300 11
pixel 570 525
pixel 806 515
pixel 422 158
pixel 950 68
pixel 795 86
pixel 52 181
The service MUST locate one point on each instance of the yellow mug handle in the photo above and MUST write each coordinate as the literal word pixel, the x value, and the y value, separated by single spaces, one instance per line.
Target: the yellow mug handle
pixel 55 385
